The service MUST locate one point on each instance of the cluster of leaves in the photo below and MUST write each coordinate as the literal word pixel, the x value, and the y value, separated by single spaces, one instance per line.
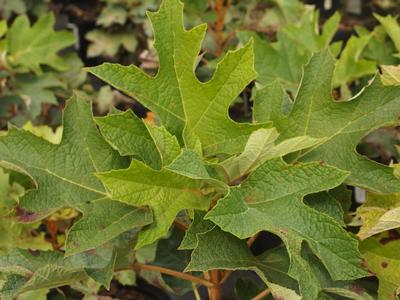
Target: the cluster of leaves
pixel 9 8
pixel 123 32
pixel 136 184
pixel 119 18
pixel 121 28
pixel 227 181
pixel 297 41
pixel 115 26
pixel 32 73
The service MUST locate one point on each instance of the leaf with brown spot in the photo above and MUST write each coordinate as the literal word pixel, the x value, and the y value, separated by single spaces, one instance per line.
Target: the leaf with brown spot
pixel 384 261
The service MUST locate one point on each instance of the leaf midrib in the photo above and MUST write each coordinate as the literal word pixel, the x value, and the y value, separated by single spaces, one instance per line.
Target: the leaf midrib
pixel 25 166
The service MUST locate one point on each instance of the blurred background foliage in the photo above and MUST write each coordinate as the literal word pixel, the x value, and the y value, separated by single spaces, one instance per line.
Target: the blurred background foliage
pixel 45 43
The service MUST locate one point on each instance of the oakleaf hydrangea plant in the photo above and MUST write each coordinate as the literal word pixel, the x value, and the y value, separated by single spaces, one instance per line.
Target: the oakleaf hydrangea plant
pixel 198 186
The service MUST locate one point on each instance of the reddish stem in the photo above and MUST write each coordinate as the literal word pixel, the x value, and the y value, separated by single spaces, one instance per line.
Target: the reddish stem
pixel 215 291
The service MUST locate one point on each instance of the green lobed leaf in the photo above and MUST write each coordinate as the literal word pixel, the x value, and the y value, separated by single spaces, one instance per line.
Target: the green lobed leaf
pixel 36 90
pixel 112 14
pixel 217 249
pixel 313 276
pixel 64 176
pixel 342 123
pixel 36 270
pixel 167 191
pixel 296 41
pixel 63 173
pixel 346 288
pixel 177 96
pixel 29 270
pixel 30 47
pixel 276 62
pixel 271 199
pixel 108 44
pixel 307 35
pixel 220 250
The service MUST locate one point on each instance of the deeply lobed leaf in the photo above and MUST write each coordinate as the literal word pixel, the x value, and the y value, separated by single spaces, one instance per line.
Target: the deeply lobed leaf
pixel 342 123
pixel 30 47
pixel 271 199
pixel 168 191
pixel 176 95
